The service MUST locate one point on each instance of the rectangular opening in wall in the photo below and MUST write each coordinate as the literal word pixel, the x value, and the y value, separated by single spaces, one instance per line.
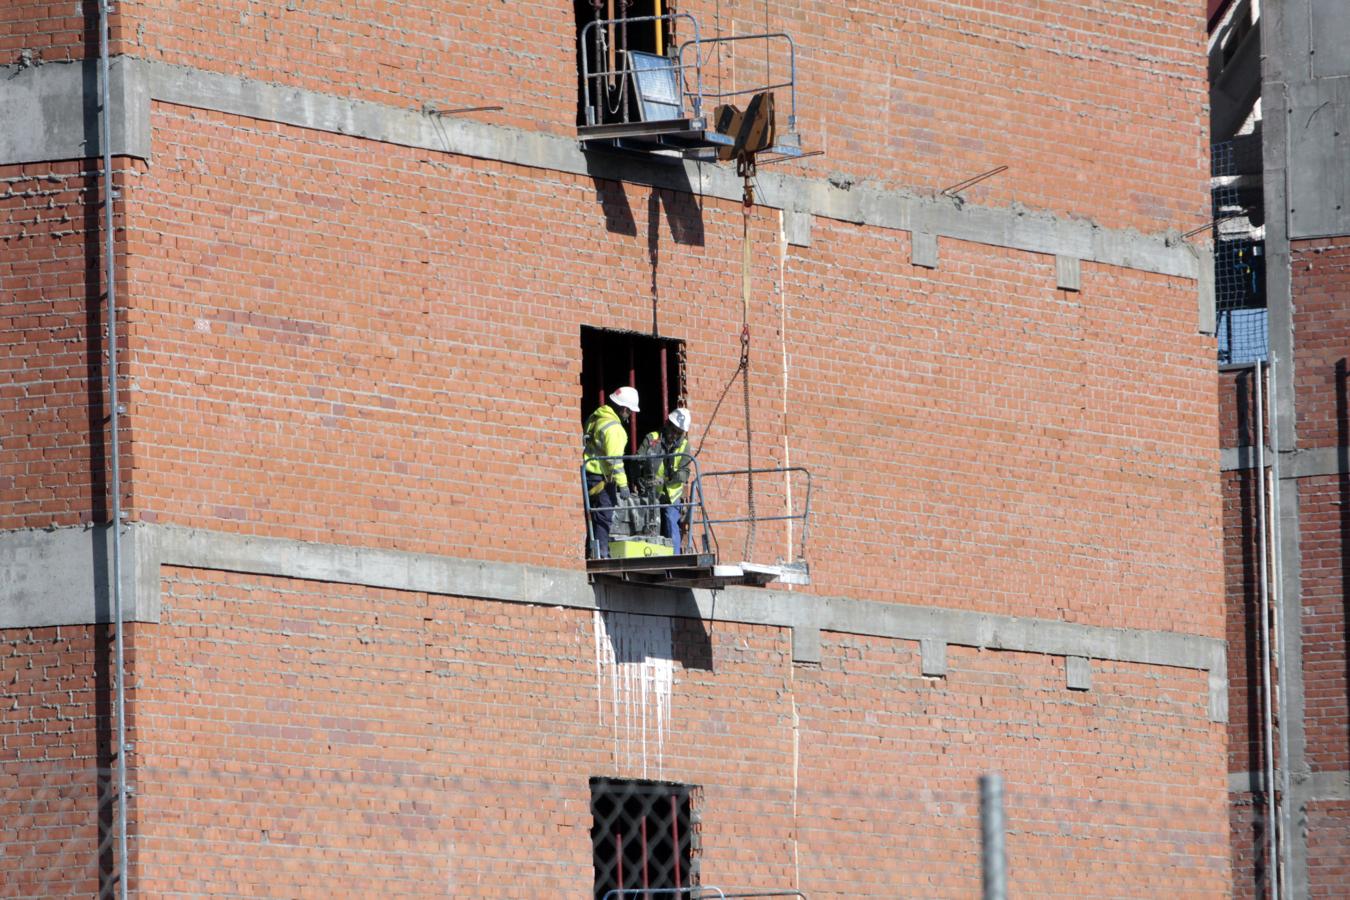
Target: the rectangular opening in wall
pixel 655 366
pixel 642 835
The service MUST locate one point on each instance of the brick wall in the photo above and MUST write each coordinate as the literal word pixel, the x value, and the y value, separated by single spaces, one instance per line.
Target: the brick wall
pixel 352 343
pixel 52 391
pixel 1248 839
pixel 55 761
pixel 1322 512
pixel 322 326
pixel 1328 837
pixel 297 732
pixel 1097 111
pixel 1320 273
pixel 35 31
pixel 1320 284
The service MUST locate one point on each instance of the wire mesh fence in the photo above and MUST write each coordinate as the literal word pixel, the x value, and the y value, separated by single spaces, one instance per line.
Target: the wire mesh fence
pixel 1239 265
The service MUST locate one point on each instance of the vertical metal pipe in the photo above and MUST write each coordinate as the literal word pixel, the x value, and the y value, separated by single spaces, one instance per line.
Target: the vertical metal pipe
pixel 993 864
pixel 632 382
pixel 618 857
pixel 675 836
pixel 646 883
pixel 114 422
pixel 1263 595
pixel 1277 601
pixel 665 385
pixel 600 387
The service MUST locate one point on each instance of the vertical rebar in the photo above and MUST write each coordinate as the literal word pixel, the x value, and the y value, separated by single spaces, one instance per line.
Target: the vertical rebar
pixel 665 384
pixel 992 862
pixel 115 470
pixel 632 382
pixel 675 836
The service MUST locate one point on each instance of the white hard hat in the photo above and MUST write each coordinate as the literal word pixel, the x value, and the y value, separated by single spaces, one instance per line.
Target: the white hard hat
pixel 627 397
pixel 679 418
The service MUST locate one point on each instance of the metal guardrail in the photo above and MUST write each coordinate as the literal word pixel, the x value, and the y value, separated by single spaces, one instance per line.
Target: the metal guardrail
pixel 693 499
pixel 701 524
pixel 803 516
pixel 595 92
pixel 697 893
pixel 770 85
pixel 623 73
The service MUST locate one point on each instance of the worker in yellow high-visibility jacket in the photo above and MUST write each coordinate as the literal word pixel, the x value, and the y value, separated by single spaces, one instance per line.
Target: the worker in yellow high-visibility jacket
pixel 606 479
pixel 669 471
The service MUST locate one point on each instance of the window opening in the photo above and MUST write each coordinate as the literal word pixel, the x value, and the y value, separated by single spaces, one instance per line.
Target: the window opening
pixel 653 365
pixel 644 835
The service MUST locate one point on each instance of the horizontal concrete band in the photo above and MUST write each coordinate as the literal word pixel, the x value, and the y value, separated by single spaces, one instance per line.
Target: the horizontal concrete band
pixel 1308 788
pixel 1310 463
pixel 58 577
pixel 53 94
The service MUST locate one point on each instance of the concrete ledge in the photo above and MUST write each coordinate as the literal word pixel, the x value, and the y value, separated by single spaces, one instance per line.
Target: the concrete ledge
pixel 933 658
pixel 1068 275
pixel 1078 673
pixel 60 577
pixel 53 578
pixel 1327 787
pixel 1232 459
pixel 64 90
pixel 923 249
pixel 52 109
pixel 1310 463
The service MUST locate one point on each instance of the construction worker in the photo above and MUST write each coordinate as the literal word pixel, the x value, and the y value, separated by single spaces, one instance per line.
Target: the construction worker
pixel 606 479
pixel 669 448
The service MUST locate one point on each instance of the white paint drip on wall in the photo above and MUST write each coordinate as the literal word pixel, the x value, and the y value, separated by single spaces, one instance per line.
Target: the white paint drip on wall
pixel 634 671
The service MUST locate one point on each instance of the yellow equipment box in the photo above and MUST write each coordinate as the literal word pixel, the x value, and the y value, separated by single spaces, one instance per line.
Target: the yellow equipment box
pixel 632 549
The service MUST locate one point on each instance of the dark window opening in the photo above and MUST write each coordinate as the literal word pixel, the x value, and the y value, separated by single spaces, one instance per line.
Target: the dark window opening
pixel 620 37
pixel 642 835
pixel 655 366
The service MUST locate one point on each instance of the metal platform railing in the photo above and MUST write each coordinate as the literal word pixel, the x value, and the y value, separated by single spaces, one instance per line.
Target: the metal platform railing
pixel 762 491
pixel 752 497
pixel 717 94
pixel 598 84
pixel 659 103
pixel 698 893
pixel 692 500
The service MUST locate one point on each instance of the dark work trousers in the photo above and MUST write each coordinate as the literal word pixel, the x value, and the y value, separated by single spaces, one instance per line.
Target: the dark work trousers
pixel 601 519
pixel 670 521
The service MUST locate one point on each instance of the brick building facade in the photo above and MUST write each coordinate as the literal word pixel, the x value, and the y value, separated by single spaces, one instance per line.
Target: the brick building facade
pixel 361 645
pixel 1278 74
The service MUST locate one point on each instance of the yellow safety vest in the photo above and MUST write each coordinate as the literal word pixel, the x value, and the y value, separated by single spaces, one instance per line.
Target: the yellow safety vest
pixel 603 438
pixel 672 481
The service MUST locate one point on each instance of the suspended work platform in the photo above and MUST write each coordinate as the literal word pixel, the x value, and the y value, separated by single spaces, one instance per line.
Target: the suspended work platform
pixel 676 104
pixel 638 553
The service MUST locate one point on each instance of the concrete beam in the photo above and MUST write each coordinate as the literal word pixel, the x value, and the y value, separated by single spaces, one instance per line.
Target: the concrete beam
pixel 1078 673
pixel 1068 275
pixel 836 198
pixel 60 577
pixel 923 249
pixel 43 570
pixel 797 227
pixel 53 110
pixel 933 657
pixel 1318 787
